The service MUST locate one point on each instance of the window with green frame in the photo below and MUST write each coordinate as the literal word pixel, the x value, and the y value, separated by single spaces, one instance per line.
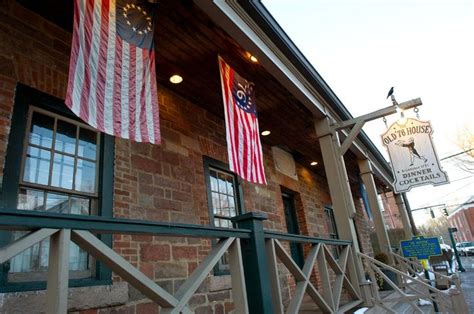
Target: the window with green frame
pixel 54 163
pixel 332 227
pixel 224 198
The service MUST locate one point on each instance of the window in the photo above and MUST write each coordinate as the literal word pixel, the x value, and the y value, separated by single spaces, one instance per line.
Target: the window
pixel 331 223
pixel 54 164
pixel 59 174
pixel 332 228
pixel 223 194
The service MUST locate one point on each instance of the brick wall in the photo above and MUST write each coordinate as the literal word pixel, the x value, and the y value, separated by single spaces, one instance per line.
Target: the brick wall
pixel 159 183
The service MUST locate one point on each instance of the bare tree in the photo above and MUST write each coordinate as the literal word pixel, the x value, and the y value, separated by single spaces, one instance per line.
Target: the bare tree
pixel 465 141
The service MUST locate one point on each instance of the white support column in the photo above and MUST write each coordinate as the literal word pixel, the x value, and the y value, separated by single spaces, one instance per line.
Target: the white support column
pixel 58 272
pixel 341 196
pixel 367 177
pixel 407 229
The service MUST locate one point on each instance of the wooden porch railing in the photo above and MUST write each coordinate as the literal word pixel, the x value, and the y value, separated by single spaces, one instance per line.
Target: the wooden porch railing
pixel 64 228
pixel 413 287
pixel 321 256
pixel 253 254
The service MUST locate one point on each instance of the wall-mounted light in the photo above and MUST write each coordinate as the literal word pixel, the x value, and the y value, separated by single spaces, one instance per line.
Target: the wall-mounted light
pixel 253 59
pixel 314 163
pixel 176 79
pixel 266 132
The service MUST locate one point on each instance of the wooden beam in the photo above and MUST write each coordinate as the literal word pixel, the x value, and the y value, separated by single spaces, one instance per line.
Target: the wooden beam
pixel 351 136
pixel 58 272
pixel 378 113
pixel 12 249
pixel 301 286
pixel 124 269
pixel 367 177
pixel 324 276
pixel 274 276
pixel 341 195
pixel 189 287
pixel 290 264
pixel 239 292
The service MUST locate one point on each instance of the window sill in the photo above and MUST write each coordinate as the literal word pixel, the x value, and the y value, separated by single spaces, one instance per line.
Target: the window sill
pixel 81 298
pixel 41 285
pixel 221 282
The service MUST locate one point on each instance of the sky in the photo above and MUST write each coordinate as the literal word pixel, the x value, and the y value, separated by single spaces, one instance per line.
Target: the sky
pixel 424 48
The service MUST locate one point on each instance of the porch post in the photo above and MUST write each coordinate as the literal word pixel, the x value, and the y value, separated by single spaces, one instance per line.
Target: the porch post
pixel 58 272
pixel 341 196
pixel 407 228
pixel 257 278
pixel 367 177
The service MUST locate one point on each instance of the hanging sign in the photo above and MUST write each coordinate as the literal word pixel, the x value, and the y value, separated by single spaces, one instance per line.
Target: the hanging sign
pixel 412 155
pixel 420 247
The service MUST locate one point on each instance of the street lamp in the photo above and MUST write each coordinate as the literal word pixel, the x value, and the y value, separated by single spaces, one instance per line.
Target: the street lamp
pixel 458 259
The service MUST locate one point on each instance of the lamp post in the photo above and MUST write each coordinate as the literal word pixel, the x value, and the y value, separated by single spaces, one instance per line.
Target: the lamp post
pixel 458 259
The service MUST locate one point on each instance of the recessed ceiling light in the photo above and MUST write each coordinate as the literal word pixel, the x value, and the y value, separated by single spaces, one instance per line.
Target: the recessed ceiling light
pixel 253 59
pixel 314 163
pixel 176 79
pixel 266 132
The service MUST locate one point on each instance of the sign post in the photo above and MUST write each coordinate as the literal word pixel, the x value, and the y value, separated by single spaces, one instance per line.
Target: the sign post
pixel 422 248
pixel 456 253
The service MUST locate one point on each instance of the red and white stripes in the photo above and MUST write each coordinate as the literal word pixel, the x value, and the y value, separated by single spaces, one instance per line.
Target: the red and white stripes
pixel 242 133
pixel 112 83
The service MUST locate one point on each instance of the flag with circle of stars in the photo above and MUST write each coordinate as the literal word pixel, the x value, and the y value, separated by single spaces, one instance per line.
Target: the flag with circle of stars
pixel 112 77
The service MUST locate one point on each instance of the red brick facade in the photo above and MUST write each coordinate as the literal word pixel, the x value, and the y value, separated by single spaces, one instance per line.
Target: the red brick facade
pixel 462 218
pixel 159 183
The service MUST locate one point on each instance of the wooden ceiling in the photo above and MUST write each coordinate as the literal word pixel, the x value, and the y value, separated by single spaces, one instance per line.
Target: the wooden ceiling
pixel 187 42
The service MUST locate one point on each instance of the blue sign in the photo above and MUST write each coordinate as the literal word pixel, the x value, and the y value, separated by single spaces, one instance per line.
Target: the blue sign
pixel 420 247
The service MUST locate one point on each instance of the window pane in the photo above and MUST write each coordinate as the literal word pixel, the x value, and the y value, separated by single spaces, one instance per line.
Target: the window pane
pixel 80 206
pixel 215 203
pixel 63 171
pixel 41 131
pixel 230 185
pixel 213 181
pixel 78 258
pixel 222 183
pixel 85 176
pixel 65 137
pixel 224 206
pixel 232 207
pixel 226 223
pixel 31 199
pixel 87 144
pixel 58 203
pixel 37 165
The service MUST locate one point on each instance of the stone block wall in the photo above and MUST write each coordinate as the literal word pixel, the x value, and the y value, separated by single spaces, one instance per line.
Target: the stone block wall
pixel 156 183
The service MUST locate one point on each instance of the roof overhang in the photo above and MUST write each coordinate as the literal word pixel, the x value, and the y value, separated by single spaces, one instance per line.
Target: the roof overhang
pixel 253 27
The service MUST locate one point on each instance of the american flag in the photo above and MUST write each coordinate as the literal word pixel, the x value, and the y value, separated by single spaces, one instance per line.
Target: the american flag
pixel 243 137
pixel 112 78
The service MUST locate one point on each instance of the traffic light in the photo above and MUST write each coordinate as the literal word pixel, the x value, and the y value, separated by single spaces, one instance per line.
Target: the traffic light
pixel 445 212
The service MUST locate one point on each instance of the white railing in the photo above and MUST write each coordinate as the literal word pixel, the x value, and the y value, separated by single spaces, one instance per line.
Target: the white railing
pixel 412 287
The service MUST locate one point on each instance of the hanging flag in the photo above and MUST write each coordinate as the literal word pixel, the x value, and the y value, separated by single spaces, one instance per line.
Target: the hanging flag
pixel 112 78
pixel 243 137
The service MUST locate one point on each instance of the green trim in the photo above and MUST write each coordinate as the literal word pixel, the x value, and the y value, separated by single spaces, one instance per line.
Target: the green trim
pixel 303 239
pixel 24 97
pixel 257 277
pixel 14 219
